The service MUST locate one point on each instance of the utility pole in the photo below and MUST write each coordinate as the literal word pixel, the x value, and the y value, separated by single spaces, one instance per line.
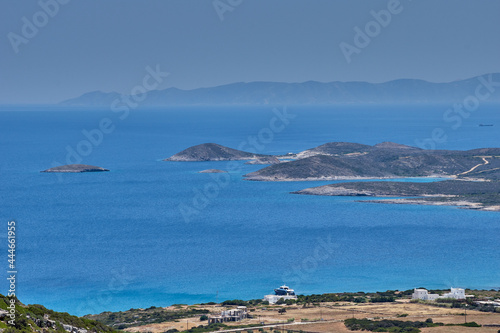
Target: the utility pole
pixel 466 312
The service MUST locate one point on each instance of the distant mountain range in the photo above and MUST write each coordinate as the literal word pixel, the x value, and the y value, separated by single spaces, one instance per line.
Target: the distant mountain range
pixel 309 93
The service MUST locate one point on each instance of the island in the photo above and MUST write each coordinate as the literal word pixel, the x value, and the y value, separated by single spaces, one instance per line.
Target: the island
pixel 75 168
pixel 212 171
pixel 212 152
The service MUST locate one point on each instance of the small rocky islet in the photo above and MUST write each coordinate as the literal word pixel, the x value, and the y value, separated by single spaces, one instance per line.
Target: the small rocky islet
pixel 212 171
pixel 75 168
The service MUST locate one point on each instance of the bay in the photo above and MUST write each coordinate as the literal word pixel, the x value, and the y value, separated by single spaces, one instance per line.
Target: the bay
pixel 111 241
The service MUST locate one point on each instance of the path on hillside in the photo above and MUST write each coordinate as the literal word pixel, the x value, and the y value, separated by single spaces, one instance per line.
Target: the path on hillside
pixel 477 166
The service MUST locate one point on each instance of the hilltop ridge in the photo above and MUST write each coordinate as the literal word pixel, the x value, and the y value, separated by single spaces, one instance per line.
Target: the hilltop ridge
pixel 303 93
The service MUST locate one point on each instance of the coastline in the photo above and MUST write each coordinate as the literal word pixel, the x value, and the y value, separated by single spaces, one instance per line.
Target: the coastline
pixel 462 204
pixel 312 179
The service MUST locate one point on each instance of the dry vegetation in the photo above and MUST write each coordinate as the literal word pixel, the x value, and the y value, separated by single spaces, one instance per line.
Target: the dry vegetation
pixel 332 315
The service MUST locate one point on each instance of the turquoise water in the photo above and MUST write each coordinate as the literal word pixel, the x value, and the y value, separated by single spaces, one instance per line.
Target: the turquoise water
pixel 112 241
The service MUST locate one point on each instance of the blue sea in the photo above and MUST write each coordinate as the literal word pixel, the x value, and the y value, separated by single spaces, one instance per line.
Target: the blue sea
pixel 151 232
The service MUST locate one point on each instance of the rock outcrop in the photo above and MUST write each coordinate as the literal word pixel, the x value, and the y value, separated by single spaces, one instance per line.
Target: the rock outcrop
pixel 212 171
pixel 76 168
pixel 265 160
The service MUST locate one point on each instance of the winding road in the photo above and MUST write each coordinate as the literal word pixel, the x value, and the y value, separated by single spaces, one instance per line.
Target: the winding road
pixel 477 166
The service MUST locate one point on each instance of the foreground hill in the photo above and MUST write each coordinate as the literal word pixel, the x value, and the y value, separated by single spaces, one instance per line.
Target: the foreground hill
pixel 36 318
pixel 330 312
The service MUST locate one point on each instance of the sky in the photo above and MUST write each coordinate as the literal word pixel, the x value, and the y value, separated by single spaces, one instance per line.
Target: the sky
pixel 52 50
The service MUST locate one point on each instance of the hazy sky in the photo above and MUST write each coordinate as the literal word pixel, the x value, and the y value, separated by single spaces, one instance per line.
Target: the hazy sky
pixel 87 45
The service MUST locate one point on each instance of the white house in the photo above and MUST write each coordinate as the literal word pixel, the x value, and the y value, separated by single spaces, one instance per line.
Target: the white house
pixel 237 314
pixel 423 294
pixel 457 293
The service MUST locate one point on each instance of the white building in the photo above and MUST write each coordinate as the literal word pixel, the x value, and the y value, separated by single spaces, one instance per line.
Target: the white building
pixel 237 314
pixel 423 294
pixel 457 293
pixel 495 303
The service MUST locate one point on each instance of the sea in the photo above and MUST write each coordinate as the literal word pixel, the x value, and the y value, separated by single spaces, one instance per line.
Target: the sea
pixel 156 233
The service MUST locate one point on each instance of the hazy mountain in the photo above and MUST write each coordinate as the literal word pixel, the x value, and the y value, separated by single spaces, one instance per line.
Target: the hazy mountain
pixel 309 93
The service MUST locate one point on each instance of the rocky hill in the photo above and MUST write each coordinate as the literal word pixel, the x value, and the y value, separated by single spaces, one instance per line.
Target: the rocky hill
pixel 333 161
pixel 211 152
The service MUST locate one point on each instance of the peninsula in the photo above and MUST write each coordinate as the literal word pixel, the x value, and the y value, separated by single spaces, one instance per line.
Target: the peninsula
pixel 473 176
pixel 343 161
pixel 481 195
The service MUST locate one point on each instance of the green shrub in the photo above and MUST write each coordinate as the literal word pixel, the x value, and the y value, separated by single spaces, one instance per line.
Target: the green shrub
pixel 237 302
pixel 471 324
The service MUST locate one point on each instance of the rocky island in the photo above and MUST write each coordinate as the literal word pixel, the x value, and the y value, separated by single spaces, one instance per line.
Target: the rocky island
pixel 212 171
pixel 212 152
pixel 75 168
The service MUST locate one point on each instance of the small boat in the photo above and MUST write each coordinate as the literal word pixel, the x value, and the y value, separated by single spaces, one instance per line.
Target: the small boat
pixel 482 125
pixel 284 290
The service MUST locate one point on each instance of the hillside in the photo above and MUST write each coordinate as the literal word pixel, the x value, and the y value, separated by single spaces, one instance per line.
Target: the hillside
pixel 37 318
pixel 331 162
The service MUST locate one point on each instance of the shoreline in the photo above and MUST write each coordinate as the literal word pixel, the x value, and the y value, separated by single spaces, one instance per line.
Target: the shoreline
pixel 462 204
pixel 312 179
